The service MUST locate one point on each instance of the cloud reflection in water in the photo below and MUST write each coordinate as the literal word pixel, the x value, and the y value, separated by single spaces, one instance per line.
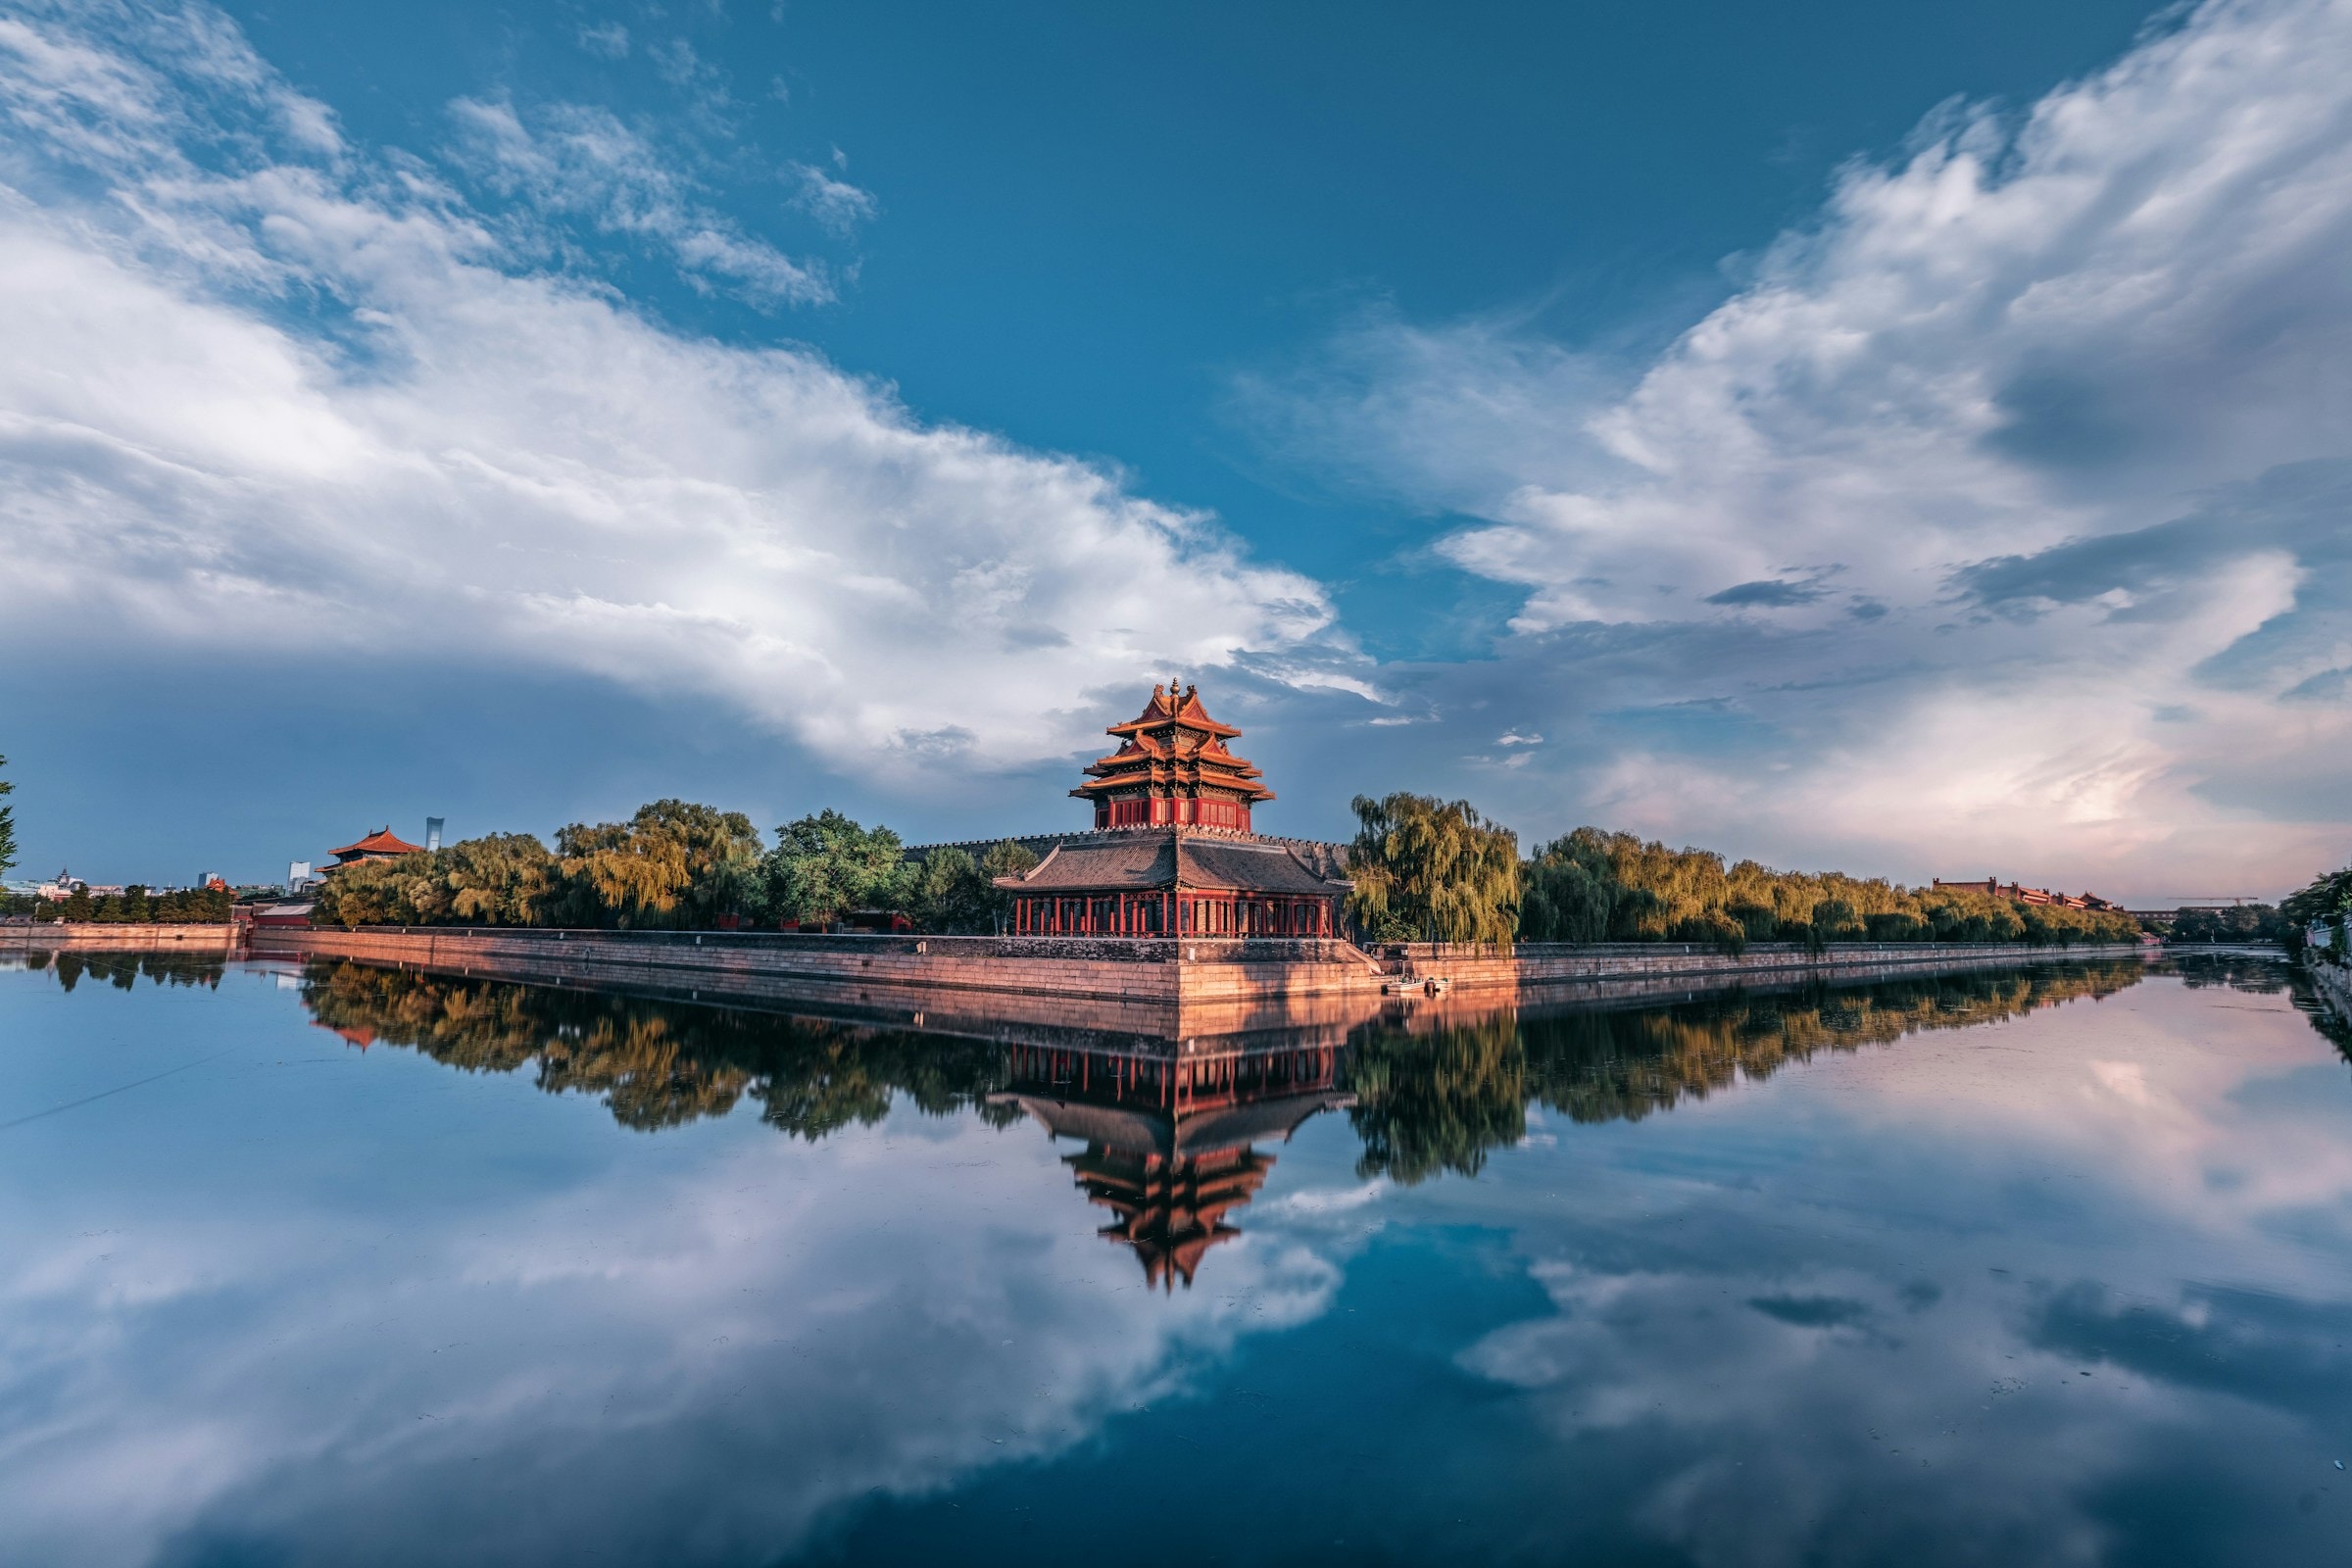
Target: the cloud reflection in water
pixel 1837 1306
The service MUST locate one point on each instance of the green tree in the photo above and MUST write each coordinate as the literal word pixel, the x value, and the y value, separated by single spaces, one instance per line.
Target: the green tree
pixel 1593 886
pixel 825 865
pixel 2325 901
pixel 1567 893
pixel 953 894
pixel 1431 870
pixel 674 863
pixel 2243 922
pixel 1006 858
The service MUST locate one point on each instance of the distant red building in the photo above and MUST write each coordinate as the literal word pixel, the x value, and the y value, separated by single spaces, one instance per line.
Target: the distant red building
pixel 380 844
pixel 1174 853
pixel 1992 887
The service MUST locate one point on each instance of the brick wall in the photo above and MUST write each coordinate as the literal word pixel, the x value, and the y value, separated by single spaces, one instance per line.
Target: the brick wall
pixel 1535 964
pixel 1246 978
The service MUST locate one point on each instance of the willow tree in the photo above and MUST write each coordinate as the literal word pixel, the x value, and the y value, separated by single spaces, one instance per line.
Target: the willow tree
pixel 8 826
pixel 722 854
pixel 499 879
pixel 1431 870
pixel 674 863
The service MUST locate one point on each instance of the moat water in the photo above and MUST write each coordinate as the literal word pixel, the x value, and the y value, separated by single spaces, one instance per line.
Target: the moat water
pixel 2051 1265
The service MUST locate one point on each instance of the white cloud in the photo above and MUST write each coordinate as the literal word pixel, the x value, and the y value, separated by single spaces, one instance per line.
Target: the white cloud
pixel 259 391
pixel 836 204
pixel 578 161
pixel 610 39
pixel 2029 445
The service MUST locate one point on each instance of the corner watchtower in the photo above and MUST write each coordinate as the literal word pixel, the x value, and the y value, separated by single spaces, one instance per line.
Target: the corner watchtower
pixel 1172 769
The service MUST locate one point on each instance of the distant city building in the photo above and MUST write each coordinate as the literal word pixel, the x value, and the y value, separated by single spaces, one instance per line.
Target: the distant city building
pixel 1174 853
pixel 380 844
pixel 1992 887
pixel 298 876
pixel 432 834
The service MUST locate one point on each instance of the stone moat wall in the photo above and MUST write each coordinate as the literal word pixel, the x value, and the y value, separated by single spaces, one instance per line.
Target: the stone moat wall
pixel 2333 981
pixel 1185 971
pixel 1542 964
pixel 54 936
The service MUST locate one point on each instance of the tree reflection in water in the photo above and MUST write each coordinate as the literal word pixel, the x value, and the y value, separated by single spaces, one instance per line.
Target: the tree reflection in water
pixel 1173 1132
pixel 656 1064
pixel 1438 1096
pixel 122 971
pixel 1433 1092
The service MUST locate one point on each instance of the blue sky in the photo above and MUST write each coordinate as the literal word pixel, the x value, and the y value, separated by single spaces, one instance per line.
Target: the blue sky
pixel 1907 439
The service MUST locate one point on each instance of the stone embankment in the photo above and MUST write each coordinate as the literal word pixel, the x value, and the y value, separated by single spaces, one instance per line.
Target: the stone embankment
pixel 2332 981
pixel 1187 972
pixel 83 936
pixel 1546 963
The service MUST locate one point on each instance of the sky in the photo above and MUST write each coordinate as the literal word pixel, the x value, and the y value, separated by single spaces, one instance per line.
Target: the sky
pixel 1909 440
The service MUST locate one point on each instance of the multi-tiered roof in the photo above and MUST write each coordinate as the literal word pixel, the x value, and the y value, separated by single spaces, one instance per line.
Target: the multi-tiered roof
pixel 1173 767
pixel 1173 854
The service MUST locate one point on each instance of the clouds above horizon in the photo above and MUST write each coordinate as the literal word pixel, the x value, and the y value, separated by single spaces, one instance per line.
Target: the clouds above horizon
pixel 2004 507
pixel 1995 517
pixel 264 384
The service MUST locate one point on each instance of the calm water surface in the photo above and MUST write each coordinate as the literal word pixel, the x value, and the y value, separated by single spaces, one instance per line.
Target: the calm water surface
pixel 2045 1266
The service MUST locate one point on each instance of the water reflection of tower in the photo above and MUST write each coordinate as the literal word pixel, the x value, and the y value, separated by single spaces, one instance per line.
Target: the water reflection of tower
pixel 1169 1135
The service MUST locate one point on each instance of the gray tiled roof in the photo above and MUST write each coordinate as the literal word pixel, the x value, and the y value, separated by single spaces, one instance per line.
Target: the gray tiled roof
pixel 1141 861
